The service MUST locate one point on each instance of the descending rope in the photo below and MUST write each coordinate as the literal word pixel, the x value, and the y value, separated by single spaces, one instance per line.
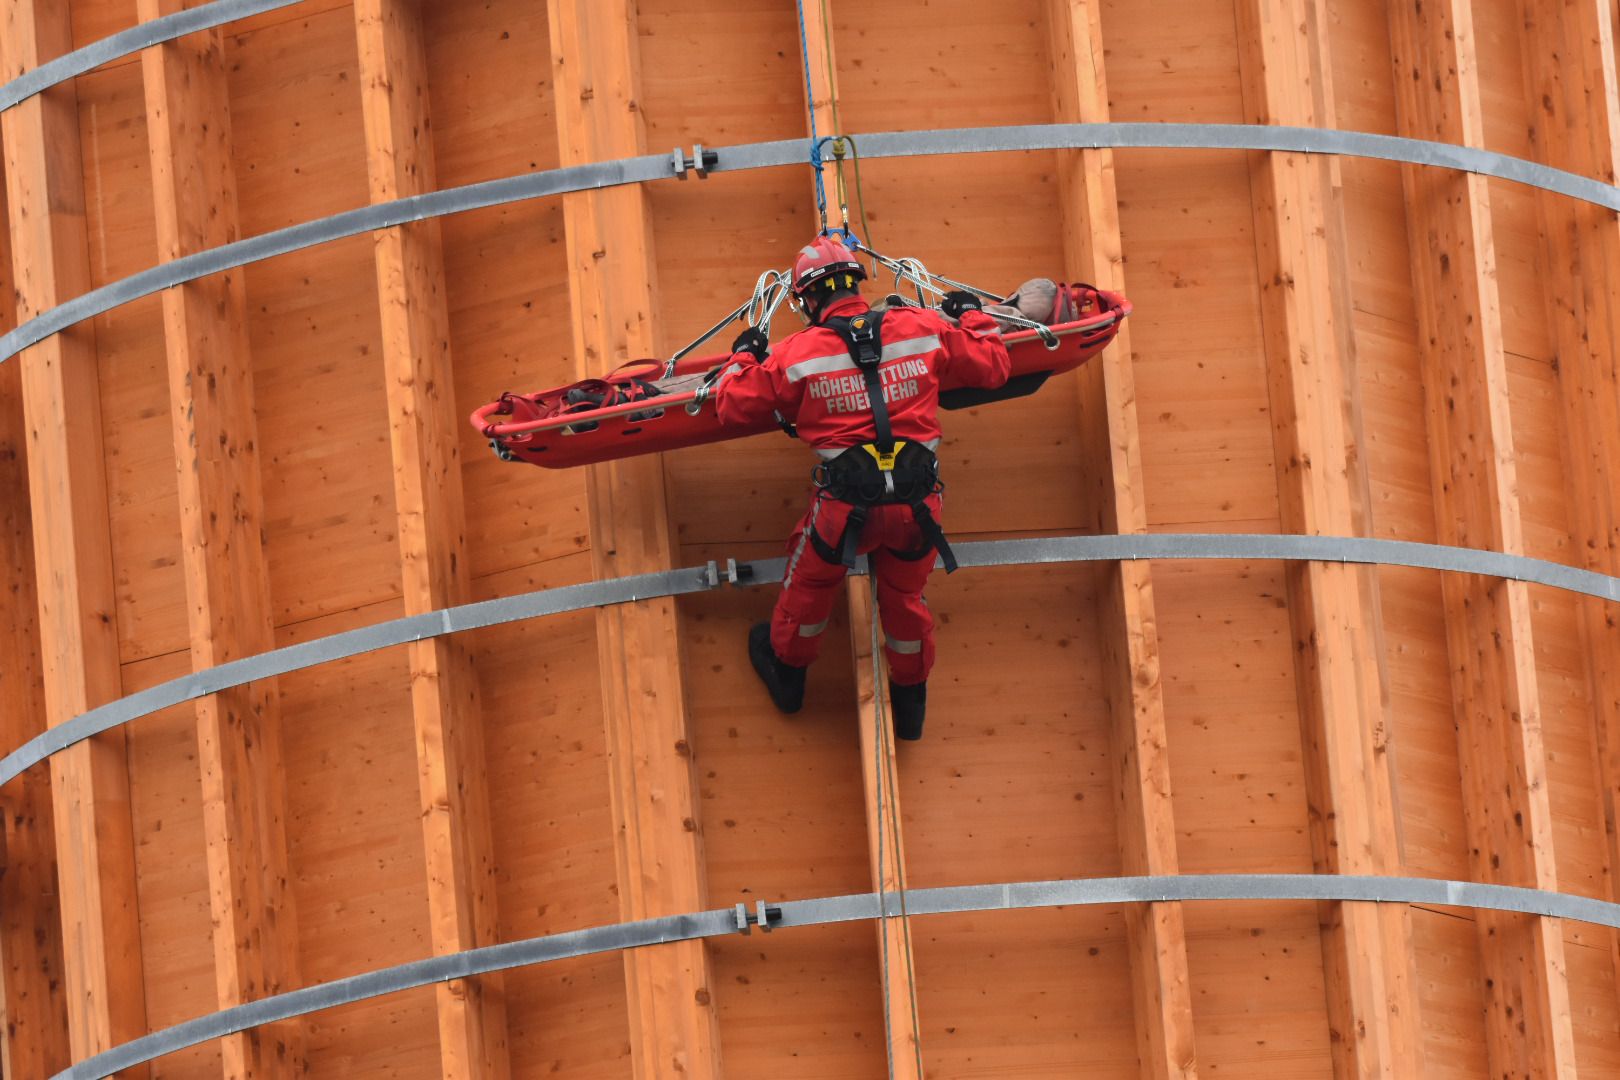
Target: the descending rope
pixel 882 878
pixel 810 102
pixel 841 144
pixel 888 803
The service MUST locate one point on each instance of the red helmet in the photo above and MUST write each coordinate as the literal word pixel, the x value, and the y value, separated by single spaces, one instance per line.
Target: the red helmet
pixel 822 258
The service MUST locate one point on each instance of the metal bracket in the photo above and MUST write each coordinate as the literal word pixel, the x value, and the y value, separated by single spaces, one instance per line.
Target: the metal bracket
pixel 763 916
pixel 700 161
pixel 711 573
pixel 739 573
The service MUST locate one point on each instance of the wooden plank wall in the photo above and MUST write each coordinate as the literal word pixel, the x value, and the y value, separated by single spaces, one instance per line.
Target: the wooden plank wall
pixel 33 1039
pixel 1224 679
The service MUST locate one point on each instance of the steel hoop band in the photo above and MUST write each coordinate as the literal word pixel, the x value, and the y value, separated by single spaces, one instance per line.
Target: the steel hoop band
pixel 1010 896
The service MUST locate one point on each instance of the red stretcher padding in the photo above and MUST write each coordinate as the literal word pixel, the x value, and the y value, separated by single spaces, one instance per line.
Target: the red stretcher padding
pixel 548 430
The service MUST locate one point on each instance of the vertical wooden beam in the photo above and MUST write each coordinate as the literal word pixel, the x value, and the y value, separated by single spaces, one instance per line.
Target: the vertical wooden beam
pixel 885 840
pixel 1127 620
pixel 1488 628
pixel 72 543
pixel 1570 70
pixel 879 766
pixel 427 490
pixel 595 69
pixel 222 520
pixel 33 1027
pixel 1367 948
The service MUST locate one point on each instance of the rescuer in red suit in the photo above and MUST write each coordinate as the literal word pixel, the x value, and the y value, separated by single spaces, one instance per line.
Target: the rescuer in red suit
pixel 878 490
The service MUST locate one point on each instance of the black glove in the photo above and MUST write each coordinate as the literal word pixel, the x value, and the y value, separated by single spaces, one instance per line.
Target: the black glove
pixel 955 303
pixel 752 341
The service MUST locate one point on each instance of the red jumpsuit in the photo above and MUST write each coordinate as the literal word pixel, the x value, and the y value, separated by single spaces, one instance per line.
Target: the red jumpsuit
pixel 811 380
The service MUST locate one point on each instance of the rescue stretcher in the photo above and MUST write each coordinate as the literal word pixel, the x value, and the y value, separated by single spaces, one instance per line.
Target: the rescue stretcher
pixel 649 406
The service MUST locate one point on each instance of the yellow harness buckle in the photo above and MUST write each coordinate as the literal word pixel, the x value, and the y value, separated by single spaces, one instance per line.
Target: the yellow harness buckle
pixel 885 462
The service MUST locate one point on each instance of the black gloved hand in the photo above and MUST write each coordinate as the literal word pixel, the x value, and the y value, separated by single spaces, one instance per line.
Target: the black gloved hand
pixel 752 341
pixel 955 303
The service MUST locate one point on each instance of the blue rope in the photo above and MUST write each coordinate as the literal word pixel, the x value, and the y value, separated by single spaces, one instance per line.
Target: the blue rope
pixel 816 142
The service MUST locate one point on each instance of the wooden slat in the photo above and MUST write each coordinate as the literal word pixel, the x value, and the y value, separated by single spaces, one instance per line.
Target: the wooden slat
pixel 879 777
pixel 1094 247
pixel 428 496
pixel 33 1037
pixel 1494 683
pixel 611 283
pixel 90 782
pixel 1570 69
pixel 222 519
pixel 1366 947
pixel 884 839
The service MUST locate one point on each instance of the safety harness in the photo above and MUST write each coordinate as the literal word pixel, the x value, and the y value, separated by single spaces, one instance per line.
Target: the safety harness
pixel 883 472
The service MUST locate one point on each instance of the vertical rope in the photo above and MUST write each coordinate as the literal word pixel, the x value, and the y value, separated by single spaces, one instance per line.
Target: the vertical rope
pixel 888 795
pixel 838 126
pixel 877 774
pixel 810 103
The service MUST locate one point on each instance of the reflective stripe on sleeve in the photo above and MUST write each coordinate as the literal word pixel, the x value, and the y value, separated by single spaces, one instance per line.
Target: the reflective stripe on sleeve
pixel 899 350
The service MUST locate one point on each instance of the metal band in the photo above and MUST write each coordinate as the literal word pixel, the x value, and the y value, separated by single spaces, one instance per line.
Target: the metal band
pixel 352 643
pixel 1011 896
pixel 1234 137
pixel 325 230
pixel 1340 549
pixel 1056 549
pixel 796 152
pixel 133 40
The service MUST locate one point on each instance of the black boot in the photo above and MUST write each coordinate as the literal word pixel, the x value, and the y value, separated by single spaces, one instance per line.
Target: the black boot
pixel 784 681
pixel 908 704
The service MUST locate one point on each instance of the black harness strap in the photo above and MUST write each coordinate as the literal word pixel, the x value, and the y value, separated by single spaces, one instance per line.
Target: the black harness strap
pixel 932 532
pixel 863 335
pixel 849 546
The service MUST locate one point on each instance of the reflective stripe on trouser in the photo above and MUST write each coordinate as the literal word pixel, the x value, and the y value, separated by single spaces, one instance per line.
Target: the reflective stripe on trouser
pixel 809 594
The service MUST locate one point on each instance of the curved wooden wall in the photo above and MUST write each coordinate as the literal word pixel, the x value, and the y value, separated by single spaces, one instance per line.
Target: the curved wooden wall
pixel 1321 346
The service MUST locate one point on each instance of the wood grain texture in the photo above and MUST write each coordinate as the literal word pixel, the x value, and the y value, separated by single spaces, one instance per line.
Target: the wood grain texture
pixel 424 436
pixel 1568 59
pixel 880 786
pixel 1205 412
pixel 771 784
pixel 1126 614
pixel 885 839
pixel 1488 625
pixel 1342 701
pixel 355 848
pixel 90 783
pixel 34 1039
pixel 595 65
pixel 1085 721
pixel 210 375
